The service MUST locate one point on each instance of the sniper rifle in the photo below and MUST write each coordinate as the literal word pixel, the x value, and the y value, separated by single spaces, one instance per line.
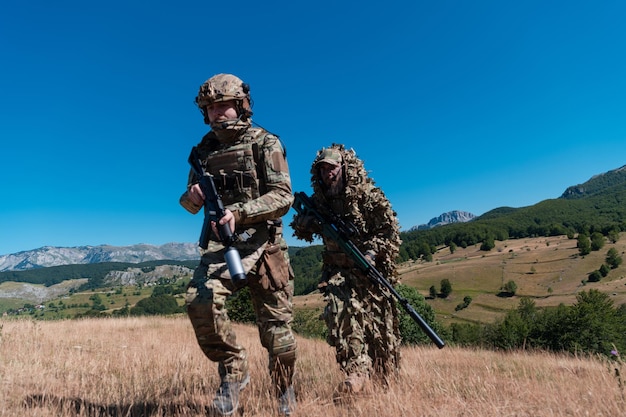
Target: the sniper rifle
pixel 340 231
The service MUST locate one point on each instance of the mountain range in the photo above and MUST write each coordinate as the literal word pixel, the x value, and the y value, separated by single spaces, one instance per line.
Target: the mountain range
pixel 54 256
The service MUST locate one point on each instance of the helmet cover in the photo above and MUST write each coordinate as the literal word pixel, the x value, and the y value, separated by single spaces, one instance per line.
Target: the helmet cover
pixel 225 87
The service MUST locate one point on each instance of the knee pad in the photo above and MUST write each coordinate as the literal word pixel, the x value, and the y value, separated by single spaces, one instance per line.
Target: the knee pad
pixel 282 348
pixel 287 358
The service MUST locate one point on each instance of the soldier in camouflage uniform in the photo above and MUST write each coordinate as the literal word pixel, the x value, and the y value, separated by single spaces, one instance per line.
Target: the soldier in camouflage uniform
pixel 250 171
pixel 361 317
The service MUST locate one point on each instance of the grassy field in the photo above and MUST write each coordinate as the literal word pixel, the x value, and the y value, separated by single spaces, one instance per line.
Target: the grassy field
pixel 152 367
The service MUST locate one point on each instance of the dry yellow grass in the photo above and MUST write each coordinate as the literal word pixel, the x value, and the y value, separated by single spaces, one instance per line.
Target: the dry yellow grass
pixel 153 367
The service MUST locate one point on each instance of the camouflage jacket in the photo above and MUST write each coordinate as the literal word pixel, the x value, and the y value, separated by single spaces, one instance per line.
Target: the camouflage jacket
pixel 252 177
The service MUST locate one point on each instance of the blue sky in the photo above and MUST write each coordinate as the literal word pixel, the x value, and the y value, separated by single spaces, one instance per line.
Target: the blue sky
pixel 453 105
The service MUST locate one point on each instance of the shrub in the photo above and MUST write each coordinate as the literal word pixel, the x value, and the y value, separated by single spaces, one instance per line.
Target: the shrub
pixel 446 288
pixel 604 270
pixel 160 305
pixel 613 259
pixel 308 323
pixel 466 302
pixel 239 306
pixel 411 332
pixel 595 276
pixel 433 292
pixel 510 287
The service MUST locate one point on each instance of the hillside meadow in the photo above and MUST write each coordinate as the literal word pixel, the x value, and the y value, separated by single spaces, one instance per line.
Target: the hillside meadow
pixel 152 366
pixel 548 270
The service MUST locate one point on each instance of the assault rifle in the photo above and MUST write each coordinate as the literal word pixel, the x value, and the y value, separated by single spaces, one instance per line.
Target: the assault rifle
pixel 214 211
pixel 340 231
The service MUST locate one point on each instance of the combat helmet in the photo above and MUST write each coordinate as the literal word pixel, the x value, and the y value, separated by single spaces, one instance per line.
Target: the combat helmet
pixel 224 87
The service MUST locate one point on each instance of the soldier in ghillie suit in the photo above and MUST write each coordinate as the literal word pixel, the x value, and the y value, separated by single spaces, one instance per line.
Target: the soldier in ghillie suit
pixel 361 317
pixel 251 174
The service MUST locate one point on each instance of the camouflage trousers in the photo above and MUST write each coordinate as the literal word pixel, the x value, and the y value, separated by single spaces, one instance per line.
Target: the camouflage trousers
pixel 205 302
pixel 362 322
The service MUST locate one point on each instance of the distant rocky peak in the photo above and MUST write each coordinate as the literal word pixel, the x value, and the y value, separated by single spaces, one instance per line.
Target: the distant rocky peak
pixel 596 184
pixel 455 216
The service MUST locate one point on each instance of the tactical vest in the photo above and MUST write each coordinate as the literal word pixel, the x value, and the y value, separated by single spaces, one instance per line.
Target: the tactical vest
pixel 237 168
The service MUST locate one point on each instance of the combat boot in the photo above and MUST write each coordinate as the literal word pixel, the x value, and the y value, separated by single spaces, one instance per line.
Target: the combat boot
pixel 353 384
pixel 287 402
pixel 226 398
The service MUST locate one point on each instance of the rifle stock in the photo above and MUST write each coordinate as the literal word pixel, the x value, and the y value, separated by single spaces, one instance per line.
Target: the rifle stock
pixel 339 231
pixel 213 212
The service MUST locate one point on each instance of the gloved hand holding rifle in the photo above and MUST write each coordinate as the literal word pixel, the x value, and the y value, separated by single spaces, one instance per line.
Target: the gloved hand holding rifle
pixel 214 211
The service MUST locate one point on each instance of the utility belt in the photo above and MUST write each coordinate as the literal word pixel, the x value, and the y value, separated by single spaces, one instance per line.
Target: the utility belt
pixel 272 232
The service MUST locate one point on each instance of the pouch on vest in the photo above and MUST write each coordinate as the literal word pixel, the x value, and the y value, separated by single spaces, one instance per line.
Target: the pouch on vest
pixel 274 268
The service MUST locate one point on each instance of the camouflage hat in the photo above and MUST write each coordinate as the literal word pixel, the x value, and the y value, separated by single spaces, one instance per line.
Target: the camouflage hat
pixel 330 156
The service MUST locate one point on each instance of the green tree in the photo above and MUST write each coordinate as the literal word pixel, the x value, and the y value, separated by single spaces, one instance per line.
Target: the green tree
pixel 583 244
pixel 510 287
pixel 452 247
pixel 488 244
pixel 466 302
pixel 162 289
pixel 425 252
pixel 512 332
pixel 548 328
pixel 527 309
pixel 594 326
pixel 307 267
pixel 597 241
pixel 613 259
pixel 466 334
pixel 446 288
pixel 432 291
pixel 594 276
pixel 613 235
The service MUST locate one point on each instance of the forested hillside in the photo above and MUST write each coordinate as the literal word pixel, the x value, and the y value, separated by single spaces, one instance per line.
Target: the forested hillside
pixel 596 184
pixel 307 267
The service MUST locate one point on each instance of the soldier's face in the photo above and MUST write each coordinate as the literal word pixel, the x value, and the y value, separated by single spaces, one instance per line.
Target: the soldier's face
pixel 331 174
pixel 222 111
